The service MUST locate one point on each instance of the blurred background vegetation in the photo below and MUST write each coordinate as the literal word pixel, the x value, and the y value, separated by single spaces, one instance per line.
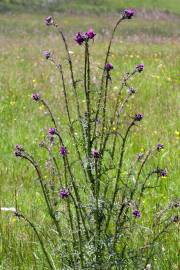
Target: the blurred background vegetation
pixel 89 5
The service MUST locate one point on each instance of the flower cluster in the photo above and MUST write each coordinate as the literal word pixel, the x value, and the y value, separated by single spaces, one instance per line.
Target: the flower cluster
pixel 81 37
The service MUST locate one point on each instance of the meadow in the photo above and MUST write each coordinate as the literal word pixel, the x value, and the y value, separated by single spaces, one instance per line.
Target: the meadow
pixel 152 38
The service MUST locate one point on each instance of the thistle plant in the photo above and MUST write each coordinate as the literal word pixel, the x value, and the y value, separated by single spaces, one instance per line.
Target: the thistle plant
pixel 94 194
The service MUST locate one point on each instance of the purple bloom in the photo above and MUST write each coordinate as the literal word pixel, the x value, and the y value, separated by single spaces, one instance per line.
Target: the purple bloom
pixel 176 205
pixel 140 67
pixel 52 131
pixel 90 33
pixel 140 156
pixel 138 117
pixel 18 150
pixel 136 213
pixel 49 20
pixel 64 193
pixel 159 147
pixel 63 151
pixel 131 91
pixel 162 172
pixel 109 67
pixel 47 54
pixel 95 153
pixel 128 13
pixel 36 96
pixel 175 219
pixel 79 38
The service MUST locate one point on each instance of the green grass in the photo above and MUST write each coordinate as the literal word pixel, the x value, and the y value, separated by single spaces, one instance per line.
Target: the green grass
pixel 23 71
pixel 90 5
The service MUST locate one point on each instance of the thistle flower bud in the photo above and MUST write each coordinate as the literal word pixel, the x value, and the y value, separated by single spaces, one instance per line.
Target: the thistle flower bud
pixel 136 213
pixel 36 96
pixel 63 151
pixel 128 13
pixel 49 20
pixel 64 193
pixel 138 117
pixel 95 154
pixel 109 67
pixel 79 38
pixel 90 33
pixel 47 54
pixel 140 67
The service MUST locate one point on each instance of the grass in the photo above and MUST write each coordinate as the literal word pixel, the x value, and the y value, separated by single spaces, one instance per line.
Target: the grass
pixel 96 6
pixel 149 39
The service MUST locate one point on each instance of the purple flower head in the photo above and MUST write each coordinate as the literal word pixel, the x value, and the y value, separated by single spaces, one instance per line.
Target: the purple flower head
pixel 18 150
pixel 95 154
pixel 63 151
pixel 109 67
pixel 136 213
pixel 49 20
pixel 140 67
pixel 80 38
pixel 162 172
pixel 159 147
pixel 90 33
pixel 64 193
pixel 140 156
pixel 131 91
pixel 36 96
pixel 47 54
pixel 175 219
pixel 128 13
pixel 138 117
pixel 176 204
pixel 52 131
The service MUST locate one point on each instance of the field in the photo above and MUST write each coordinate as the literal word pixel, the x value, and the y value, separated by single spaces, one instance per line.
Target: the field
pixel 152 38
